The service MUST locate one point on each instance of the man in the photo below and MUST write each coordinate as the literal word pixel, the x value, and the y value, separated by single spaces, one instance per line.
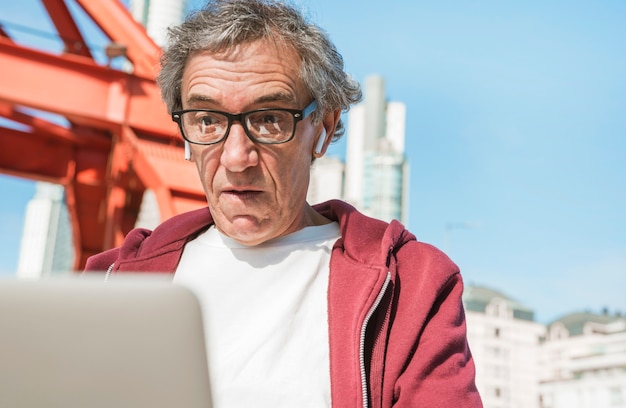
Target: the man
pixel 303 306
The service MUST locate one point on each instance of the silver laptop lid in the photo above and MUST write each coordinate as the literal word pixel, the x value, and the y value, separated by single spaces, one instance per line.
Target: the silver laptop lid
pixel 76 343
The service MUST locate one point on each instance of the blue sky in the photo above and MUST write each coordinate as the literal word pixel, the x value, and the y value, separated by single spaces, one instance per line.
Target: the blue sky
pixel 516 135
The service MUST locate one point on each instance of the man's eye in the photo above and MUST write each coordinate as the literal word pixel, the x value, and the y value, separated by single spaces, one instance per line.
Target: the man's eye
pixel 208 120
pixel 269 118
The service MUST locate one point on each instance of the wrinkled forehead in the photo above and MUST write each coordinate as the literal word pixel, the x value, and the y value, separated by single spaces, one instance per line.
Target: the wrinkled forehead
pixel 231 48
pixel 258 68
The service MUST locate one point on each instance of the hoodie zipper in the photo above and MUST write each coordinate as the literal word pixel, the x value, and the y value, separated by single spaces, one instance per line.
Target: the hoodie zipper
pixel 362 339
pixel 108 272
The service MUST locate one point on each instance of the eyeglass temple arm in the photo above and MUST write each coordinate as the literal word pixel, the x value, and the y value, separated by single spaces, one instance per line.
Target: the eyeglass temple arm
pixel 309 109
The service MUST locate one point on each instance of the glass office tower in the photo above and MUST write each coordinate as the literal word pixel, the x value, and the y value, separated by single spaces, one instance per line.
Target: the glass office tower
pixel 376 176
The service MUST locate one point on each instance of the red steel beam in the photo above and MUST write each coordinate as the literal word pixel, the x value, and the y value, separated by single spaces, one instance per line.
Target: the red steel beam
pixel 119 25
pixel 161 168
pixel 80 136
pixel 67 28
pixel 4 33
pixel 118 139
pixel 81 90
pixel 53 156
pixel 32 156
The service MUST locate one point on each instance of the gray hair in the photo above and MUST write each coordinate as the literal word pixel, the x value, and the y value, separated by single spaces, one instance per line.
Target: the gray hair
pixel 222 24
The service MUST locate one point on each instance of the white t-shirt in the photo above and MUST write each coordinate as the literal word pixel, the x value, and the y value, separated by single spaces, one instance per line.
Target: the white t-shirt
pixel 265 313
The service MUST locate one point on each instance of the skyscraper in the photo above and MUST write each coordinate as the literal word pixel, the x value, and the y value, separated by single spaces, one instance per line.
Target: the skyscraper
pixel 158 15
pixel 376 176
pixel 46 246
pixel 326 180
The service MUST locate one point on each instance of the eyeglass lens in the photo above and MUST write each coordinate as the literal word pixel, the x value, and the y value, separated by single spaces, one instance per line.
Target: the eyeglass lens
pixel 264 126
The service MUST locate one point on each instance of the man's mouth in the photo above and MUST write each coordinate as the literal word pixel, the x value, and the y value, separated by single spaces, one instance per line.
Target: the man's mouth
pixel 243 193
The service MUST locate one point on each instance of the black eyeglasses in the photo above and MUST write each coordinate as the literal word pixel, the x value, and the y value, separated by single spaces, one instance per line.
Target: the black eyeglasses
pixel 266 126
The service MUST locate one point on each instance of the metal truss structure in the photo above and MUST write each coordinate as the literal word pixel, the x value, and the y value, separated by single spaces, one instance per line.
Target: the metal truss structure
pixel 115 139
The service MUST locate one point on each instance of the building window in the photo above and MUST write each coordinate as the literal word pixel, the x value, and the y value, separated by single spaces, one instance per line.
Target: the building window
pixel 498 308
pixel 546 401
pixel 558 331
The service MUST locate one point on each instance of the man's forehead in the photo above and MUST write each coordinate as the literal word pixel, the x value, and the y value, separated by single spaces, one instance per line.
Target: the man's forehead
pixel 264 70
pixel 234 52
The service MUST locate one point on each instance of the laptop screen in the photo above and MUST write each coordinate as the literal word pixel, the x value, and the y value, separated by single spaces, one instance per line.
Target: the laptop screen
pixel 80 343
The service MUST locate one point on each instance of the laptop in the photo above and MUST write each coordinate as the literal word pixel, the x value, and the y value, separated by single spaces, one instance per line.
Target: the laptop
pixel 85 343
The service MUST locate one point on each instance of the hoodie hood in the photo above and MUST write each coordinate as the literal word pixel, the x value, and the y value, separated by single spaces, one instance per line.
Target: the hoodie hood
pixel 364 239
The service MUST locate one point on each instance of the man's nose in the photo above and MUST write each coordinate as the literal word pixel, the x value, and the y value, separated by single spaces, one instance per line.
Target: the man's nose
pixel 238 151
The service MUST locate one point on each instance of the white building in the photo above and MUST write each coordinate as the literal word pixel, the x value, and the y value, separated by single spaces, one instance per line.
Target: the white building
pixel 504 341
pixel 158 15
pixel 326 180
pixel 377 170
pixel 583 362
pixel 46 246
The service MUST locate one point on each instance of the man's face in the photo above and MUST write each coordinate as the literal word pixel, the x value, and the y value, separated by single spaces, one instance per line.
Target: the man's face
pixel 255 192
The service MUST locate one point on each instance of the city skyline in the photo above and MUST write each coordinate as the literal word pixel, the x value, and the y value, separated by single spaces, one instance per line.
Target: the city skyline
pixel 514 133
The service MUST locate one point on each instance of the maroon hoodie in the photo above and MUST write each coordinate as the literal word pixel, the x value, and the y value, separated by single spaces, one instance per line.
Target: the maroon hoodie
pixel 396 321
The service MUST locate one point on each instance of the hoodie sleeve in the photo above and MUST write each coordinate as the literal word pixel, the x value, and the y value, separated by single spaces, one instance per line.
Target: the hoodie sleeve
pixel 438 370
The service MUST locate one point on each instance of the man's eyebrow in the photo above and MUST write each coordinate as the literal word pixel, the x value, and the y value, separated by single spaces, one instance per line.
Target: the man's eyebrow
pixel 195 98
pixel 276 97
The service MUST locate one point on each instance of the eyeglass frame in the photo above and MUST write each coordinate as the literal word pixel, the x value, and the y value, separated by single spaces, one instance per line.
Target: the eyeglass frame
pixel 298 115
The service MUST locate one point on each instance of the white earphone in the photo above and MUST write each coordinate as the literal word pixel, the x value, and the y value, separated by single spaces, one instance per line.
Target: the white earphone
pixel 320 142
pixel 187 151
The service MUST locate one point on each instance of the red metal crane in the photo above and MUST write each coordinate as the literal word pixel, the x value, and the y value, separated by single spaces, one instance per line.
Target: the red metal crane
pixel 115 140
